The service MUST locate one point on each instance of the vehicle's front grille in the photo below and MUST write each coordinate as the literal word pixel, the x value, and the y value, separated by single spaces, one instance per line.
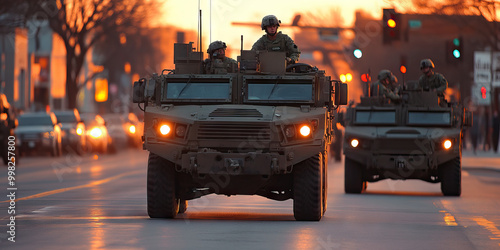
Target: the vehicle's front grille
pixel 411 146
pixel 30 136
pixel 234 131
pixel 233 112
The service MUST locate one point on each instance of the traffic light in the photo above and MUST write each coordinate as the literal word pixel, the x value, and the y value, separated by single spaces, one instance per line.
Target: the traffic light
pixel 101 90
pixel 357 53
pixel 366 78
pixel 454 50
pixel 391 26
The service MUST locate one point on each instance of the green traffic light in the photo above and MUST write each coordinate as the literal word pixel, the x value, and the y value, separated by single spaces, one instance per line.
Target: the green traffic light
pixel 456 42
pixel 456 53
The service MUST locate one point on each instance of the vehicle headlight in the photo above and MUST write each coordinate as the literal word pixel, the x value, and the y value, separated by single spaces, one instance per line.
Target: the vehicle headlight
pixel 305 130
pixel 447 144
pixel 290 131
pixel 165 129
pixel 180 130
pixel 354 143
pixel 131 129
pixel 96 132
pixel 79 131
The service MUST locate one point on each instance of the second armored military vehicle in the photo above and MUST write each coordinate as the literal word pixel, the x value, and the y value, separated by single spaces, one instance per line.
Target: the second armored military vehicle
pixel 419 138
pixel 262 131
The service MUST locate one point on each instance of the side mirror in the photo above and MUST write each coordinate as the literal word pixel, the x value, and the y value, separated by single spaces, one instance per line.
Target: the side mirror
pixel 138 92
pixel 340 93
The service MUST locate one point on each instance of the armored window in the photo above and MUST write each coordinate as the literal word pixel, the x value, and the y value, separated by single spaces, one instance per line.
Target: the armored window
pixel 429 118
pixel 271 89
pixel 375 117
pixel 197 89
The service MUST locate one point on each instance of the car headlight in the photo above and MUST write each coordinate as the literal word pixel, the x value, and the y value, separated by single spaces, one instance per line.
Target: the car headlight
pixel 447 144
pixel 96 132
pixel 165 129
pixel 305 130
pixel 79 131
pixel 354 143
pixel 131 129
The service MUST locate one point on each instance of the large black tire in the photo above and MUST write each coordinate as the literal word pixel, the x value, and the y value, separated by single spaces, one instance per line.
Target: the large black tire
pixel 325 181
pixel 353 177
pixel 162 200
pixel 450 174
pixel 183 205
pixel 308 189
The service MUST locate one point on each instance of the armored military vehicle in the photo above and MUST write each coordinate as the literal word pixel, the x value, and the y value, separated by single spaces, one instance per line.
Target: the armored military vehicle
pixel 418 138
pixel 261 131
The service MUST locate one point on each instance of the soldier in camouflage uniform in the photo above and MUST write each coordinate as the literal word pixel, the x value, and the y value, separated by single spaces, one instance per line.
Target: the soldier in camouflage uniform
pixel 218 63
pixel 431 81
pixel 276 41
pixel 382 87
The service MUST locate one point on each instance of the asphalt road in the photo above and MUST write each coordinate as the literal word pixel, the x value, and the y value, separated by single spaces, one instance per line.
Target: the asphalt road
pixel 100 203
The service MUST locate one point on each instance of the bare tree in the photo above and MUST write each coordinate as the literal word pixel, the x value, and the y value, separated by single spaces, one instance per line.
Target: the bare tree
pixel 81 23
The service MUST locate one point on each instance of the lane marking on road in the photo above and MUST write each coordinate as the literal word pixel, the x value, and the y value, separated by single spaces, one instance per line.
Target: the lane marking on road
pixel 449 219
pixel 61 190
pixel 490 226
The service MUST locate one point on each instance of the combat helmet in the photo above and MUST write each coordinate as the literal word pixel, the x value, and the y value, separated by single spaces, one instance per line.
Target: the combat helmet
pixel 269 20
pixel 215 45
pixel 426 63
pixel 385 74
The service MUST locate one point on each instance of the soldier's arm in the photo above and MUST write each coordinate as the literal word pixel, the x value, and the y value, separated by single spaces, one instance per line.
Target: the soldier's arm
pixel 443 84
pixel 291 48
pixel 391 95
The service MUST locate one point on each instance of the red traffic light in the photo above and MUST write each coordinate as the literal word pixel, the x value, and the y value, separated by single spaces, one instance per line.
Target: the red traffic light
pixel 402 69
pixel 365 78
pixel 483 92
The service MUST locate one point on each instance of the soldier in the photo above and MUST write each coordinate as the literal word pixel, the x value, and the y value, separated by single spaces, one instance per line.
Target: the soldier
pixel 431 81
pixel 218 63
pixel 276 41
pixel 382 87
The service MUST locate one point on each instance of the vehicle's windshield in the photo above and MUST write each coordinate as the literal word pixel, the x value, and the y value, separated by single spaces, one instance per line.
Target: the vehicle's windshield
pixel 375 117
pixel 280 91
pixel 66 118
pixel 197 90
pixel 428 118
pixel 35 121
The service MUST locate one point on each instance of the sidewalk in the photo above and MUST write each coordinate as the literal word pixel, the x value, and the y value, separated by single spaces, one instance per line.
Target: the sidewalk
pixel 481 160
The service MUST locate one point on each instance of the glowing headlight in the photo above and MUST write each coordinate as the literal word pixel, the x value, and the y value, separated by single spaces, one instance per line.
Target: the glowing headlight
pixel 79 131
pixel 354 143
pixel 96 132
pixel 447 144
pixel 131 129
pixel 305 130
pixel 164 129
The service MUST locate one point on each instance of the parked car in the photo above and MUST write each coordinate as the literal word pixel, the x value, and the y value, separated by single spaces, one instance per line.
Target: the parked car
pixel 38 132
pixel 98 139
pixel 116 129
pixel 135 130
pixel 73 131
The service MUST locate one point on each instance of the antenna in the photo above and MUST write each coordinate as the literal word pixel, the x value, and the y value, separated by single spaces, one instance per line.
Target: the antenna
pixel 199 21
pixel 210 20
pixel 200 34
